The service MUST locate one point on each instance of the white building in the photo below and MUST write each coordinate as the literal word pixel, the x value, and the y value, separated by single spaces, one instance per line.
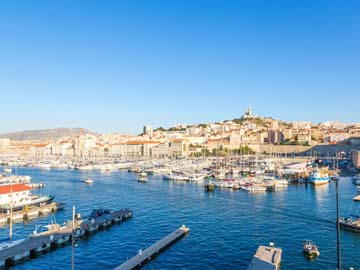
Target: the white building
pixel 4 145
pixel 192 131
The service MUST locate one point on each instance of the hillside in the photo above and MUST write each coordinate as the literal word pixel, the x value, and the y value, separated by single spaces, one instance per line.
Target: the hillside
pixel 44 134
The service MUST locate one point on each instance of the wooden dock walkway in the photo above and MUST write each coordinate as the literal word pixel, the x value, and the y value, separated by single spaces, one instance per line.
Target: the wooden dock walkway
pixel 32 247
pixel 266 258
pixel 148 254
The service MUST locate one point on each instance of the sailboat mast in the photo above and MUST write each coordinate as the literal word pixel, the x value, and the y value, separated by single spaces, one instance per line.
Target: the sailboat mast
pixel 73 240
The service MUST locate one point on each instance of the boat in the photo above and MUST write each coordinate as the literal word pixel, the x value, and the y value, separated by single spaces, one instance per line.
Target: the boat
pixel 350 223
pixel 9 242
pixel 51 228
pixel 44 166
pixel 310 250
pixel 22 197
pixel 176 177
pixel 254 188
pixel 319 177
pixel 281 183
pixel 196 178
pixel 13 179
pixel 142 177
pixel 209 187
pixel 88 181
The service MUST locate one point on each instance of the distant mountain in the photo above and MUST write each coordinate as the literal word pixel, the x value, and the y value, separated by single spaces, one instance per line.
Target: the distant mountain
pixel 44 134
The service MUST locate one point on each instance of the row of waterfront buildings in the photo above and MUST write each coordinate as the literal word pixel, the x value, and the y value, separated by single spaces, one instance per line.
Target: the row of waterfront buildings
pixel 187 140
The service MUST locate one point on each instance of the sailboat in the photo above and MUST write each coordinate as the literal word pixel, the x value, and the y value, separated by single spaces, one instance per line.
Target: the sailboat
pixel 9 242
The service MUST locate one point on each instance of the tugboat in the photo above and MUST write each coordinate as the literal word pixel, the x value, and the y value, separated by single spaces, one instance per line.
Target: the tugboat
pixel 310 250
pixel 319 177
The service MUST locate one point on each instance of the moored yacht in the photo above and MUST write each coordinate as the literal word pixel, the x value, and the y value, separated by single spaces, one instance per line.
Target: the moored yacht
pixel 351 223
pixel 254 188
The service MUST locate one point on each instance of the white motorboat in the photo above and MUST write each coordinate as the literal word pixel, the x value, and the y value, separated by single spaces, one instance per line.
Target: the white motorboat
pixel 254 188
pixel 88 181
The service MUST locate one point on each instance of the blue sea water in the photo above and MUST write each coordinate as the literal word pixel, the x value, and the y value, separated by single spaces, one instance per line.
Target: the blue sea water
pixel 226 226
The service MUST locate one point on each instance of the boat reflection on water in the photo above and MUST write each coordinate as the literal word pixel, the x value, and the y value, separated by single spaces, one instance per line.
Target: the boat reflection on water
pixel 321 193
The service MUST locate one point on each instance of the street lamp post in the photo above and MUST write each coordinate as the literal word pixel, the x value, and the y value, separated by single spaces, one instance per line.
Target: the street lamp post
pixel 338 227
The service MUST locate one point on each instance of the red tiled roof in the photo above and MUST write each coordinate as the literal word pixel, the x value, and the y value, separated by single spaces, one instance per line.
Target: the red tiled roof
pixel 5 189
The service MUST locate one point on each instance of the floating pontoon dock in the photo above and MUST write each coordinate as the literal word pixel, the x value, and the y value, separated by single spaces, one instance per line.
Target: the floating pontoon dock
pixel 148 254
pixel 266 258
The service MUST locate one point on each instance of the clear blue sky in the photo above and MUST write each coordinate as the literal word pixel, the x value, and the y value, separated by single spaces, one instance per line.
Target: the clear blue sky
pixel 118 65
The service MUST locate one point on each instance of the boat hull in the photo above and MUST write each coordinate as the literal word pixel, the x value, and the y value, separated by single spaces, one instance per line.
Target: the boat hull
pixel 311 255
pixel 319 181
pixel 43 199
pixel 349 226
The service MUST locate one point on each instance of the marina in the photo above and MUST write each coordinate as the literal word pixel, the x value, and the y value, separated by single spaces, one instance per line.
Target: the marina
pixel 202 211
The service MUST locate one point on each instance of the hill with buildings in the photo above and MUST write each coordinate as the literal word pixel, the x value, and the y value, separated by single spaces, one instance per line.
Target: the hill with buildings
pixel 245 134
pixel 44 134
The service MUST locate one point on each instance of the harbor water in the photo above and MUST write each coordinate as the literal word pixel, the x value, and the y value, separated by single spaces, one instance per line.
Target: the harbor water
pixel 226 226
